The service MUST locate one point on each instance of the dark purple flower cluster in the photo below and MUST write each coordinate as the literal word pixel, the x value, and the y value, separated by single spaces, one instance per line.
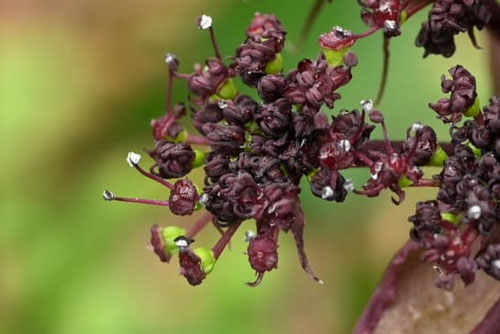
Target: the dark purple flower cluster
pixel 255 153
pixel 448 18
pixel 459 230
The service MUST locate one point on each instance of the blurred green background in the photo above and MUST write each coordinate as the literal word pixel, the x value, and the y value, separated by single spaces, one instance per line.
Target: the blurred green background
pixel 79 83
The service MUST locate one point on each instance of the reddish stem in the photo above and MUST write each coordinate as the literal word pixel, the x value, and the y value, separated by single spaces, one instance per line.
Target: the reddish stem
pixel 224 240
pixel 142 201
pixel 154 177
pixel 199 225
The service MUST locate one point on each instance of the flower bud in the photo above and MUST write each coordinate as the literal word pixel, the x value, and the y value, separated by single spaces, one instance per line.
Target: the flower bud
pixel 263 253
pixel 183 198
pixel 173 160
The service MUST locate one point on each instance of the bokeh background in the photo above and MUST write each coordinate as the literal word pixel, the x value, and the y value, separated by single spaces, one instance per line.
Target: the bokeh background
pixel 80 81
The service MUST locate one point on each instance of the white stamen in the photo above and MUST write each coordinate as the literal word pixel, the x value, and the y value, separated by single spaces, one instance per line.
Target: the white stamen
pixel 327 192
pixel 367 105
pixel 349 185
pixel 345 145
pixel 203 199
pixel 390 25
pixel 108 195
pixel 133 159
pixel 250 235
pixel 205 22
pixel 474 212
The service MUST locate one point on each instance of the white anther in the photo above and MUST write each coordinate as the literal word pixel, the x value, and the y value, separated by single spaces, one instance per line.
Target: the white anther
pixel 327 192
pixel 203 199
pixel 250 235
pixel 390 25
pixel 416 127
pixel 169 58
pixel 345 145
pixel 108 195
pixel 367 105
pixel 133 159
pixel 349 185
pixel 205 22
pixel 222 104
pixel 182 242
pixel 496 264
pixel 474 212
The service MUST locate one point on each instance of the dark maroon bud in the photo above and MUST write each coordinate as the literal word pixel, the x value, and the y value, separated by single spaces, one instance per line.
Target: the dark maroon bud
pixel 274 118
pixel 210 113
pixel 350 60
pixel 206 81
pixel 172 160
pixel 321 121
pixel 336 154
pixel 191 267
pixel 481 137
pixel 228 138
pixel 240 111
pixel 463 95
pixel 376 116
pixel 216 165
pixel 183 198
pixel 426 143
pixel 265 25
pixel 271 87
pixel 492 116
pixel 337 39
pixel 245 195
pixel 219 201
pixel 489 261
pixel 330 185
pixel 426 219
pixel 385 14
pixel 263 252
pixel 303 124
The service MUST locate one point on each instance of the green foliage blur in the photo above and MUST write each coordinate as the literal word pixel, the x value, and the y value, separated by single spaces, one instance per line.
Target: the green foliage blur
pixel 79 82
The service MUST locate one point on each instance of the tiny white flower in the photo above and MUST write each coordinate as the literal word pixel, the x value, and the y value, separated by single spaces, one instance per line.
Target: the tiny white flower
pixel 345 145
pixel 390 25
pixel 181 242
pixel 203 199
pixel 250 235
pixel 496 264
pixel 133 159
pixel 349 185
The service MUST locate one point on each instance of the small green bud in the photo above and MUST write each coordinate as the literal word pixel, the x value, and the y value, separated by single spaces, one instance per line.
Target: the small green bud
pixel 182 137
pixel 199 158
pixel 228 91
pixel 311 174
pixel 207 258
pixel 475 150
pixel 438 158
pixel 170 233
pixel 404 16
pixel 450 217
pixel 474 110
pixel 335 57
pixel 405 182
pixel 275 66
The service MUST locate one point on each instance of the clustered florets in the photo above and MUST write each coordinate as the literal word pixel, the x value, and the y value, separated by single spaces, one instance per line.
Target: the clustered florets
pixel 448 18
pixel 255 153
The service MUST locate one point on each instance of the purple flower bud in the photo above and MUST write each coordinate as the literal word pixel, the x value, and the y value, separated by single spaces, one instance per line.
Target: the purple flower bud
pixel 172 160
pixel 206 81
pixel 337 39
pixel 426 144
pixel 274 118
pixel 271 87
pixel 263 252
pixel 240 111
pixel 489 261
pixel 227 138
pixel 183 198
pixel 216 165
